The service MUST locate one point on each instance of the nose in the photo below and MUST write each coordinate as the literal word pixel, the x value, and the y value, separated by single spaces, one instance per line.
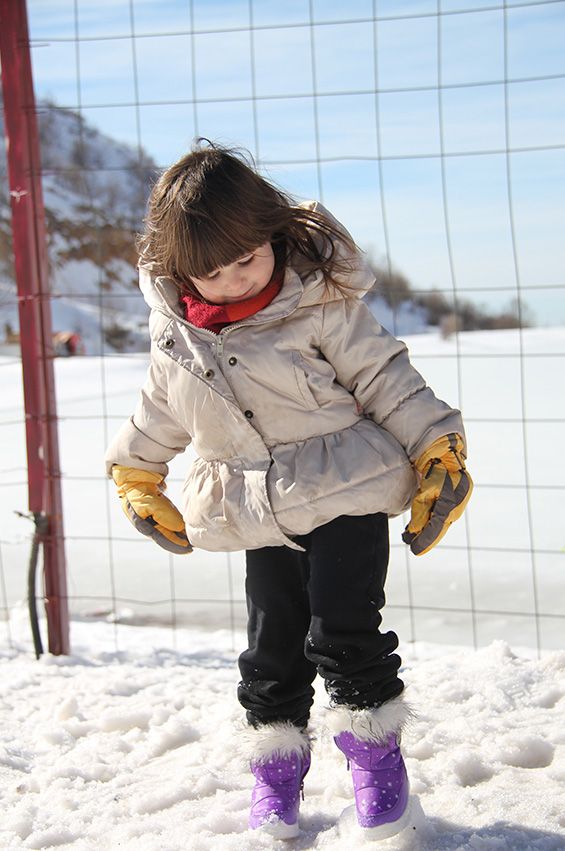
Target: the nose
pixel 237 280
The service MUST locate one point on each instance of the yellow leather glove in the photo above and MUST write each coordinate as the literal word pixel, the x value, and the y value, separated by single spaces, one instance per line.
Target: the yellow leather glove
pixel 151 513
pixel 445 490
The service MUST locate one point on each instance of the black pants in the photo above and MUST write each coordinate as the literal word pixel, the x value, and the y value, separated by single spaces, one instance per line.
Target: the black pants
pixel 318 612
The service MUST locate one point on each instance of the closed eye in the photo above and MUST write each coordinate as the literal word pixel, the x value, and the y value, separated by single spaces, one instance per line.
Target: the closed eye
pixel 245 262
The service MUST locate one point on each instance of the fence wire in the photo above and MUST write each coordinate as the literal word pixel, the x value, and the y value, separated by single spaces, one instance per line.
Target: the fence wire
pixel 498 576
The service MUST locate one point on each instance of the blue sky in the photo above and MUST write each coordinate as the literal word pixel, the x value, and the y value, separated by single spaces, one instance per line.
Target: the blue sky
pixel 299 91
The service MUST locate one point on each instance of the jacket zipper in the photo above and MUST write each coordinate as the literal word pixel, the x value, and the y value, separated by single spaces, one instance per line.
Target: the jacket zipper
pixel 220 346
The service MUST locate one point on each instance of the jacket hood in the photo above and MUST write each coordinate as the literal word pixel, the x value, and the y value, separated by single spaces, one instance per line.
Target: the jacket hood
pixel 358 279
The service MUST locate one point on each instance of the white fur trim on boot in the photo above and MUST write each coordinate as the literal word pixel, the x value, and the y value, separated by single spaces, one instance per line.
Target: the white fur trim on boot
pixel 278 739
pixel 371 725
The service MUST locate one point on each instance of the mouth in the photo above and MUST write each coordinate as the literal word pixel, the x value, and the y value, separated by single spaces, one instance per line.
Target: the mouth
pixel 243 296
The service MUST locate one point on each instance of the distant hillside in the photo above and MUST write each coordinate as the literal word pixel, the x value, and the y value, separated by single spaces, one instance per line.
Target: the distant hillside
pixel 95 191
pixel 399 306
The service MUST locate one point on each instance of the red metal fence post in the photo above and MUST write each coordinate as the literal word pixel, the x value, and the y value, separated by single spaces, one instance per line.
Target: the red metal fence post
pixel 30 255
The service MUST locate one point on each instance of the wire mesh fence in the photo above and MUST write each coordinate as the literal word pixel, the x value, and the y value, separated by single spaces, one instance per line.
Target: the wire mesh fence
pixel 435 131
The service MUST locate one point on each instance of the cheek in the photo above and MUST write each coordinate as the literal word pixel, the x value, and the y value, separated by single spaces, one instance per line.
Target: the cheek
pixel 268 268
pixel 201 288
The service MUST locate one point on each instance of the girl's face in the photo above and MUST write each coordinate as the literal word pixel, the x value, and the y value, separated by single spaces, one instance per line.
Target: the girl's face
pixel 240 280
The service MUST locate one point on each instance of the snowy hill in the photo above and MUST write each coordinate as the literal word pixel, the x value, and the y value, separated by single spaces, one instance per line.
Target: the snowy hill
pixel 94 194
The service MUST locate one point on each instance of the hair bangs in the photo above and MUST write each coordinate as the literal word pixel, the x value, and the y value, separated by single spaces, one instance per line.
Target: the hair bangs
pixel 214 241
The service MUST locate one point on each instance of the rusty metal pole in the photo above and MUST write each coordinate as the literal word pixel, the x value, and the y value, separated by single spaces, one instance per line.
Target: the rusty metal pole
pixel 30 256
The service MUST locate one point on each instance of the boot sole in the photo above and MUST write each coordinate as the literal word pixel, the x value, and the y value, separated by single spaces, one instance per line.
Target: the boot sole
pixel 279 829
pixel 348 823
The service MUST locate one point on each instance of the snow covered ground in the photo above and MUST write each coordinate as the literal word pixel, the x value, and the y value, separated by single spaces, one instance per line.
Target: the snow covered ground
pixel 131 743
pixel 138 750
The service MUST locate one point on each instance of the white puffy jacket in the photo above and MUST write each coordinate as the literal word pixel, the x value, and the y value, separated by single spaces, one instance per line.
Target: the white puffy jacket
pixel 302 412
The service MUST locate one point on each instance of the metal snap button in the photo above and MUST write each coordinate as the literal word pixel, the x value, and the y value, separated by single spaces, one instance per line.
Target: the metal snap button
pixel 232 361
pixel 248 414
pixel 209 373
pixel 169 343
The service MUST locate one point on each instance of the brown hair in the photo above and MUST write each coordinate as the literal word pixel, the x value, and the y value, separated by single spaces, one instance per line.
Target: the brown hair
pixel 212 207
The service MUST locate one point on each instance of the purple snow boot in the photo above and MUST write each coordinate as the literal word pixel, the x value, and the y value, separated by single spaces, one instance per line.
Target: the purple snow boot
pixel 276 796
pixel 380 782
pixel 280 763
pixel 369 739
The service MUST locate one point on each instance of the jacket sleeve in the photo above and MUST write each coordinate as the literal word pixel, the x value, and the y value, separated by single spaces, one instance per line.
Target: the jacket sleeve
pixel 374 366
pixel 152 436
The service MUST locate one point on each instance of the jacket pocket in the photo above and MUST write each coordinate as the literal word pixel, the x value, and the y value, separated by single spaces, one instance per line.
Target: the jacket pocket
pixel 209 497
pixel 300 375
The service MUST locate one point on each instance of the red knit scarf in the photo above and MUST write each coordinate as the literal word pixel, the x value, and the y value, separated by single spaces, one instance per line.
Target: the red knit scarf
pixel 214 317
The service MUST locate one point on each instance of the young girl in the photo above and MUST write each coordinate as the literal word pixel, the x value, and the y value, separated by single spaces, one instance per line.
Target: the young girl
pixel 310 427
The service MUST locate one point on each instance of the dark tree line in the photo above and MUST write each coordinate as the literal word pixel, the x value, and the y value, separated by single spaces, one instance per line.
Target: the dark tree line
pixel 447 310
